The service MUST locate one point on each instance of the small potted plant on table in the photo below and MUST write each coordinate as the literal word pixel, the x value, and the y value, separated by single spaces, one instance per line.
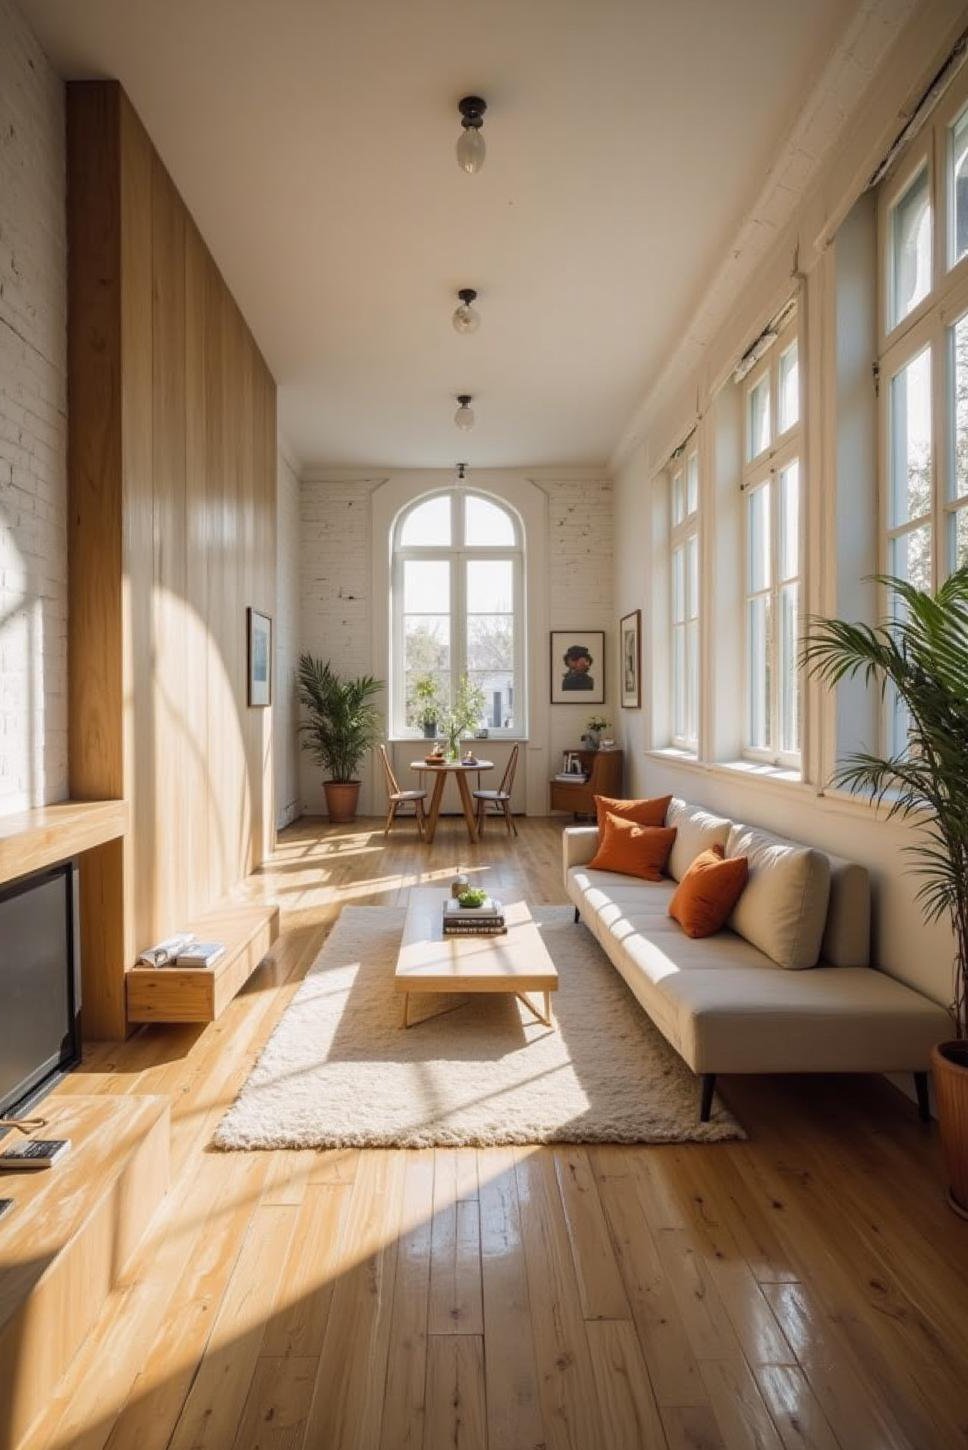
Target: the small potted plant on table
pixel 921 654
pixel 342 723
pixel 426 705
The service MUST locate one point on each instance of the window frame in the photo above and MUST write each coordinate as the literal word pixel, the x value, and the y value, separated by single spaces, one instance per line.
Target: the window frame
pixel 681 534
pixel 457 555
pixel 765 470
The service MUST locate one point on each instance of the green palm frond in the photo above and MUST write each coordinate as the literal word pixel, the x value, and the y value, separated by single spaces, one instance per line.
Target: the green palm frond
pixel 341 721
pixel 920 655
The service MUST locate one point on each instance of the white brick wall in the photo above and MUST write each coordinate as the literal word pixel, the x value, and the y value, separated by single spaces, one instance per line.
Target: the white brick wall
pixel 286 641
pixel 33 423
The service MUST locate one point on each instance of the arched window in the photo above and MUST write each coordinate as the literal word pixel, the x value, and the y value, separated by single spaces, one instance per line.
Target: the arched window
pixel 457 608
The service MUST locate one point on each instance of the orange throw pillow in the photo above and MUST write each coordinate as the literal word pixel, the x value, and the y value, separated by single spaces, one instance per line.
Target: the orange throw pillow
pixel 643 813
pixel 633 850
pixel 707 893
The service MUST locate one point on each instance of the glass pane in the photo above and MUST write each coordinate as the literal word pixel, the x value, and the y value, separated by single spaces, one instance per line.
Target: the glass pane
pixel 490 642
pixel 790 520
pixel 958 539
pixel 679 682
pixel 678 499
pixel 789 388
pixel 426 586
pixel 911 557
pixel 692 681
pixel 959 188
pixel 758 543
pixel 692 483
pixel 417 706
pixel 426 643
pixel 692 577
pixel 789 674
pixel 759 645
pixel 486 524
pixel 959 407
pixel 758 418
pixel 428 524
pixel 490 586
pixel 911 248
pixel 498 690
pixel 679 586
pixel 911 440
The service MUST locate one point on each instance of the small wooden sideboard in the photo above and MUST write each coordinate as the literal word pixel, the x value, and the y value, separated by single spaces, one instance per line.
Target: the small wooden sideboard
pixel 605 775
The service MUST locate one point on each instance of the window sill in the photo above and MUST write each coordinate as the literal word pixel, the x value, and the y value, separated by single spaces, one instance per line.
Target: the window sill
pixel 748 770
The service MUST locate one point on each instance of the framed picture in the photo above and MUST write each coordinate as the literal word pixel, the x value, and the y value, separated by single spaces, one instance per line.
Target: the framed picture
pixel 260 657
pixel 630 639
pixel 578 667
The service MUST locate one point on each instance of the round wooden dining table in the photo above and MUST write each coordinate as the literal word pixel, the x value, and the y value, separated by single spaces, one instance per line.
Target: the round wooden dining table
pixel 461 771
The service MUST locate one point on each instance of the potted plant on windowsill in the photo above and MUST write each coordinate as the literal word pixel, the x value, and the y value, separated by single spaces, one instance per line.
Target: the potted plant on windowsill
pixel 341 724
pixel 464 715
pixel 426 704
pixel 920 654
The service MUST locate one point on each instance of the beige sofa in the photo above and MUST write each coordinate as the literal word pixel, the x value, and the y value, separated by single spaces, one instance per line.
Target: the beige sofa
pixel 786 987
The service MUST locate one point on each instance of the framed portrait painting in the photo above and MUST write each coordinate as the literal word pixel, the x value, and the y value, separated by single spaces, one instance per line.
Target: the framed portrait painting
pixel 260 658
pixel 577 667
pixel 630 654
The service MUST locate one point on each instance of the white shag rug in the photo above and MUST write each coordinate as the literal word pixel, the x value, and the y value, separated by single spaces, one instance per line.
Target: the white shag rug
pixel 341 1071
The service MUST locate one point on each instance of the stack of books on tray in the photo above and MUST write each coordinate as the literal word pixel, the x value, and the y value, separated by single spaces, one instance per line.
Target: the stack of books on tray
pixel 484 920
pixel 572 777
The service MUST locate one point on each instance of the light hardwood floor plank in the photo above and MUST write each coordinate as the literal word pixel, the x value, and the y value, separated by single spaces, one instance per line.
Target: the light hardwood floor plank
pixel 404 1400
pixel 455 1418
pixel 630 1418
pixel 599 1281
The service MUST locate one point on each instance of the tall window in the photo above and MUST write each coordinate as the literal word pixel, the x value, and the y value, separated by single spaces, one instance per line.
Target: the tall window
pixel 923 362
pixel 457 608
pixel 772 489
pixel 684 499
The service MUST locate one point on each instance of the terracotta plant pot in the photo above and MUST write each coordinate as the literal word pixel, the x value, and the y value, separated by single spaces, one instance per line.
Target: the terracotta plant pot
pixel 949 1066
pixel 342 797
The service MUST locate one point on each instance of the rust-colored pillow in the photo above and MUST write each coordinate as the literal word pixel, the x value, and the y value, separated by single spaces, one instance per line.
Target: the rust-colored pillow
pixel 707 893
pixel 643 813
pixel 633 850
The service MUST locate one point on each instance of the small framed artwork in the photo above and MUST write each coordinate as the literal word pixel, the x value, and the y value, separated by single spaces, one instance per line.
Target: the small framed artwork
pixel 577 667
pixel 630 639
pixel 260 657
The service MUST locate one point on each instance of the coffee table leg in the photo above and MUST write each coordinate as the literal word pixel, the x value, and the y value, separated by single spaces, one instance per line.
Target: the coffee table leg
pixel 544 1017
pixel 468 804
pixel 440 780
pixel 406 1009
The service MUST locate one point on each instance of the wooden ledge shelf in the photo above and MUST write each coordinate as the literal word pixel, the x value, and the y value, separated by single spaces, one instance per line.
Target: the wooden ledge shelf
pixel 182 994
pixel 31 840
pixel 67 1241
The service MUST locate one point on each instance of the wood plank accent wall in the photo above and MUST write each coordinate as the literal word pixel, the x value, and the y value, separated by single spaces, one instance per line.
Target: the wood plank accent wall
pixel 172 425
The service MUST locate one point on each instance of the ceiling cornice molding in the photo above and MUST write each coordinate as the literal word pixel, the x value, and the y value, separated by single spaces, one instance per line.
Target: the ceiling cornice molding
pixel 858 58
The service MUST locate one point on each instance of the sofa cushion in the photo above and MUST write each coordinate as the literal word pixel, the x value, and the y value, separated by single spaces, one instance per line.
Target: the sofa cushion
pixel 633 850
pixel 783 909
pixel 708 892
pixel 697 830
pixel 643 813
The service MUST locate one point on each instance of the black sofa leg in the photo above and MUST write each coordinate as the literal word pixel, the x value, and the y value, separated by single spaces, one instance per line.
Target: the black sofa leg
pixel 924 1099
pixel 706 1099
pixel 577 914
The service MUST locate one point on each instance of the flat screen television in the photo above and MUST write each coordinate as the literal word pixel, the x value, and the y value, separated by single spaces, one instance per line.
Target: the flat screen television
pixel 40 985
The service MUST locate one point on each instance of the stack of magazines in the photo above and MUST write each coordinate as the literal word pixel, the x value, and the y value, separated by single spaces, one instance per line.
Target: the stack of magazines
pixel 183 950
pixel 484 920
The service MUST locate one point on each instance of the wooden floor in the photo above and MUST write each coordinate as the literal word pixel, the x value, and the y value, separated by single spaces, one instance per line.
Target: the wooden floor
pixel 807 1288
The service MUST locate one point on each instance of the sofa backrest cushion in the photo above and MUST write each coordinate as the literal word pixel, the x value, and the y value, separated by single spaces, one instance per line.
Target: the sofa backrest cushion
pixel 847 938
pixel 783 909
pixel 696 830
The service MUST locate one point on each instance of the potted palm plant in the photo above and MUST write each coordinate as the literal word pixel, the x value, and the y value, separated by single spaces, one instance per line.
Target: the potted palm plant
pixel 341 724
pixel 920 655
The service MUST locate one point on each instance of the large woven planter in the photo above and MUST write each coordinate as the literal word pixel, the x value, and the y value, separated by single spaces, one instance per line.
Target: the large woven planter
pixel 949 1066
pixel 342 797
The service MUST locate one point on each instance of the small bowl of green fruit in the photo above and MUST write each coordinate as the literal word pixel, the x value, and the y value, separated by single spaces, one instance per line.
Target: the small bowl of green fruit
pixel 472 897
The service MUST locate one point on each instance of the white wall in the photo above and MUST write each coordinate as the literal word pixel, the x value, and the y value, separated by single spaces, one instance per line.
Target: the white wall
pixel 286 643
pixel 344 590
pixel 840 520
pixel 33 423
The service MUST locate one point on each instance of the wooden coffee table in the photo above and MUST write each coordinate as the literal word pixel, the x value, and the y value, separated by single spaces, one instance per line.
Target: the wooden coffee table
pixel 428 961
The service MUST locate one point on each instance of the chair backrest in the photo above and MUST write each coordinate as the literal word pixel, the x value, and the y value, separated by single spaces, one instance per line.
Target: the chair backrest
pixel 507 779
pixel 392 786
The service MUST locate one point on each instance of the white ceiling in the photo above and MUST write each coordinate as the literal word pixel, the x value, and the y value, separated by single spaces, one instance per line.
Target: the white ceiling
pixel 313 141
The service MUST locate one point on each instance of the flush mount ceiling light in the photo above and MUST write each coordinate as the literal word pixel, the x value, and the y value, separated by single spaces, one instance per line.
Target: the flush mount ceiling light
pixel 470 145
pixel 466 318
pixel 464 417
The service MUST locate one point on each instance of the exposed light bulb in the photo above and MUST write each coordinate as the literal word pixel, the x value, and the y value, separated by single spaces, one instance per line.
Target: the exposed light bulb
pixel 470 144
pixel 466 318
pixel 464 417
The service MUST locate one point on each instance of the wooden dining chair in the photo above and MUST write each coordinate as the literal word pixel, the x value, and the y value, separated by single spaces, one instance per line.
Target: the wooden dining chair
pixel 397 797
pixel 500 799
